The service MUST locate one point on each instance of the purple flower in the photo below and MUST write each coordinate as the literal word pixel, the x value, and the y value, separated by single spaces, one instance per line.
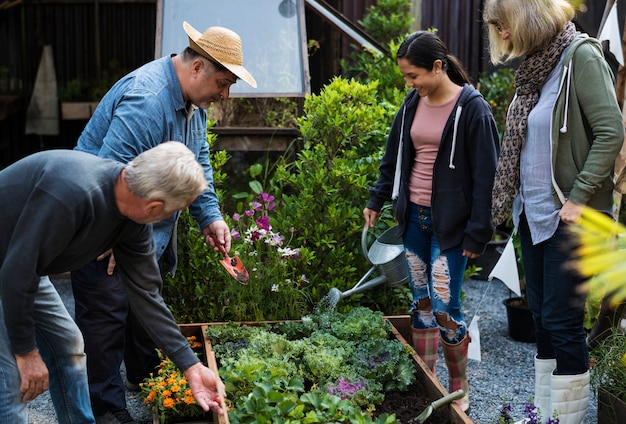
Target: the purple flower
pixel 263 223
pixel 276 240
pixel 236 217
pixel 255 236
pixel 256 206
pixel 249 212
pixel 346 389
pixel 268 200
pixel 235 234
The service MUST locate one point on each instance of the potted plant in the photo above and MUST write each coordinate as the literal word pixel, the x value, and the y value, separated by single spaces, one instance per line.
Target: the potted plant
pixel 80 97
pixel 520 321
pixel 493 251
pixel 608 377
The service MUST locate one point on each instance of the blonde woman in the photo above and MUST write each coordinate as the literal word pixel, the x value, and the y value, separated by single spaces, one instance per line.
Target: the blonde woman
pixel 563 132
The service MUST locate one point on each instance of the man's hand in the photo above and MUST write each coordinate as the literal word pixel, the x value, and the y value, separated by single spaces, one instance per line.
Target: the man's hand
pixel 33 374
pixel 207 389
pixel 111 266
pixel 217 235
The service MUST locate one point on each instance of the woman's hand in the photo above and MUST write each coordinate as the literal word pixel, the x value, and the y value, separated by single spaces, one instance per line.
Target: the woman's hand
pixel 470 255
pixel 370 217
pixel 570 213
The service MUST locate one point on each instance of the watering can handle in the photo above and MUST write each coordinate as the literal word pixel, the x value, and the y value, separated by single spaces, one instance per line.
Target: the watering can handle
pixel 364 243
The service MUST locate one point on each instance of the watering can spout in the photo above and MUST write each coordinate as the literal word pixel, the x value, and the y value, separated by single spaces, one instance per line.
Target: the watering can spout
pixel 387 257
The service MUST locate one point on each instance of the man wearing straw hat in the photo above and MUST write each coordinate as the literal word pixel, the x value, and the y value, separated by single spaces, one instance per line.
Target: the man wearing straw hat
pixel 162 100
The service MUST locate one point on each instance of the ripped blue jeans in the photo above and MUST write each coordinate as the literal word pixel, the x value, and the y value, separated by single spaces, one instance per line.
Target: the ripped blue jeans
pixel 435 275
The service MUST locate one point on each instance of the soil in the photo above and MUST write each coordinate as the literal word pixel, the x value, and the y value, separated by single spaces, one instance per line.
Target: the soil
pixel 408 405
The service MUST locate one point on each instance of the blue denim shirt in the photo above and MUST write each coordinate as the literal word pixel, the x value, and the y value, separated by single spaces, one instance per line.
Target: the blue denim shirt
pixel 143 109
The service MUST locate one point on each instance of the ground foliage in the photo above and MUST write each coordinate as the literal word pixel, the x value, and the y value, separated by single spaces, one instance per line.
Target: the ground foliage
pixel 328 367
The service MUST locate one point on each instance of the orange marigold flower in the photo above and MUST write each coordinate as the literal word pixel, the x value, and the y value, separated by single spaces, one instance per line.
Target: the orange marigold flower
pixel 188 392
pixel 151 396
pixel 172 380
pixel 168 403
pixel 183 381
pixel 162 383
pixel 189 400
pixel 166 393
pixel 175 388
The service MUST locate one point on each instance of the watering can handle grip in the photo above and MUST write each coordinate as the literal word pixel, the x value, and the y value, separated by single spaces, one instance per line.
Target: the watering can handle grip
pixel 364 243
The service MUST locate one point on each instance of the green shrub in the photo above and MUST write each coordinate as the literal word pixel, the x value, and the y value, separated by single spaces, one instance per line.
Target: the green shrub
pixel 388 22
pixel 387 18
pixel 325 189
pixel 498 89
pixel 191 292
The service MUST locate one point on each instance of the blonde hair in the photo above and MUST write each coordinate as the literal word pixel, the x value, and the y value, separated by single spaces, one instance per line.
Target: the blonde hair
pixel 167 172
pixel 532 24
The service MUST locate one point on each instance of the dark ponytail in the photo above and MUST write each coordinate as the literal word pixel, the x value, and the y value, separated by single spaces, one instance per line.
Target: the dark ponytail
pixel 422 48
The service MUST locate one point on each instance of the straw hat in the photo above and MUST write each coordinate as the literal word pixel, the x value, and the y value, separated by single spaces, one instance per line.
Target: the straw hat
pixel 222 46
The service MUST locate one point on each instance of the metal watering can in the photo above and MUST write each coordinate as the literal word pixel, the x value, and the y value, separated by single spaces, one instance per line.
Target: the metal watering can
pixel 386 256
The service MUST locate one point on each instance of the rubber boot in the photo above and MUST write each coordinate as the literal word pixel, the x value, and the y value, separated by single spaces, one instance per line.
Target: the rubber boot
pixel 426 344
pixel 543 372
pixel 569 395
pixel 456 360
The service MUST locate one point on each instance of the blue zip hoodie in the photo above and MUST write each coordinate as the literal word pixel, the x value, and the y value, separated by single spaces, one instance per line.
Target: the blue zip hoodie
pixel 462 175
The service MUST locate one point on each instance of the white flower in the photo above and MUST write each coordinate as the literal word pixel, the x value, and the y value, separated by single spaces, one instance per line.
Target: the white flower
pixel 274 287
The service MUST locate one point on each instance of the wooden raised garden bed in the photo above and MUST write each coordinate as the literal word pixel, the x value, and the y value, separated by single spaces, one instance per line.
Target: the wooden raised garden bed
pixel 400 329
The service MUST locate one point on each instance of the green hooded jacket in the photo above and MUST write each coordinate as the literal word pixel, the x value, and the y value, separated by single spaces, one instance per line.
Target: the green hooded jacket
pixel 587 128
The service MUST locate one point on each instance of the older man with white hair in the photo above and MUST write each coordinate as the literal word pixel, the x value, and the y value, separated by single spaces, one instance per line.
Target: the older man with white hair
pixel 61 209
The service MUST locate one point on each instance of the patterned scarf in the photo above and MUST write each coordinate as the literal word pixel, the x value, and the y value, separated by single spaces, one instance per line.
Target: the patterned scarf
pixel 529 78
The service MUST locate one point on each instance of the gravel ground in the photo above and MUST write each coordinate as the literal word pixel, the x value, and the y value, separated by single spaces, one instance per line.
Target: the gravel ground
pixel 506 366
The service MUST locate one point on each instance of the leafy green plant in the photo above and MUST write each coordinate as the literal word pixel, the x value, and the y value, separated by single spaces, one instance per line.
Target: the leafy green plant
pixel 498 89
pixel 90 89
pixel 328 367
pixel 608 364
pixel 343 133
pixel 190 293
pixel 387 18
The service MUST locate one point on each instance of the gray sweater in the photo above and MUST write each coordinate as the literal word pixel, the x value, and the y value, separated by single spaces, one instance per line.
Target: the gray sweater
pixel 58 213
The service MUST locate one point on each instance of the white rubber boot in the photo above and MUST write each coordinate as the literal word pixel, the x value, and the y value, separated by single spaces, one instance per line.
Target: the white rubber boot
pixel 569 395
pixel 543 372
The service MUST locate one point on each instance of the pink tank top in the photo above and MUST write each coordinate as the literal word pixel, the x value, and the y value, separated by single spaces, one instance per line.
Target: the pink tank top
pixel 426 132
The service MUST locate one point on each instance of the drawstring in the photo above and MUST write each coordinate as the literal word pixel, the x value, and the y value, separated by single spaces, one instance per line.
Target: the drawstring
pixel 396 178
pixel 563 129
pixel 456 128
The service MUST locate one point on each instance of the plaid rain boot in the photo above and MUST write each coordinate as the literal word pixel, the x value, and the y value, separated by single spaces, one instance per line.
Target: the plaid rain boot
pixel 426 344
pixel 456 360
